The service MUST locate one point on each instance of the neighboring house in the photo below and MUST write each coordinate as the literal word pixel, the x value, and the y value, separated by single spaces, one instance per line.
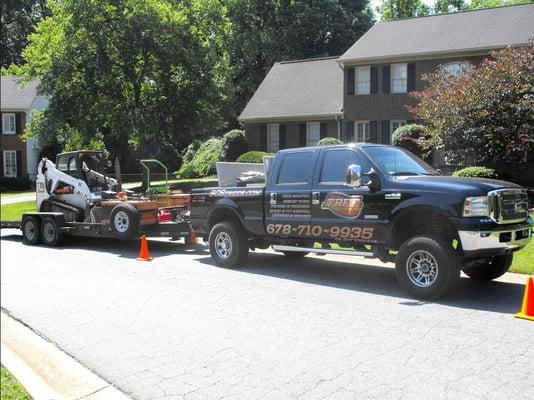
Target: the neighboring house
pixel 297 104
pixel 18 158
pixel 380 70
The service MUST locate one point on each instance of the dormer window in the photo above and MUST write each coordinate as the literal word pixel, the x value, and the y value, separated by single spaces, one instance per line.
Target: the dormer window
pixel 455 68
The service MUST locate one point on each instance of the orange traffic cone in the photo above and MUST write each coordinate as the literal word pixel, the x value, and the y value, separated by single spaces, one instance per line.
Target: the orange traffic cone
pixel 527 309
pixel 144 255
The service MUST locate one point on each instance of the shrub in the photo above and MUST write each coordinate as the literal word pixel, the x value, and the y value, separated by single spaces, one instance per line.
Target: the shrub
pixel 328 141
pixel 410 137
pixel 189 152
pixel 15 183
pixel 203 162
pixel 475 172
pixel 185 185
pixel 234 144
pixel 253 157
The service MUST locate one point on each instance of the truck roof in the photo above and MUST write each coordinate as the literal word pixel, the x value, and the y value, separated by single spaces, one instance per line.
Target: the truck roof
pixel 336 146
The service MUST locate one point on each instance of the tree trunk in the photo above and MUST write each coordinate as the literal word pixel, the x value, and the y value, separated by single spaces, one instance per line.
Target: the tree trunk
pixel 118 173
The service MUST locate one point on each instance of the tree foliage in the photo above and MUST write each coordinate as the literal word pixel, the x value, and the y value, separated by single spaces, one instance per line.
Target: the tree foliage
pixel 203 162
pixel 393 9
pixel 475 172
pixel 486 114
pixel 411 137
pixel 131 74
pixel 265 32
pixel 234 143
pixel 19 18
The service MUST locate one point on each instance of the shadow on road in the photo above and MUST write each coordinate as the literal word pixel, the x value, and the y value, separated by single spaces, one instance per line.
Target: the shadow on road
pixel 502 297
pixel 499 297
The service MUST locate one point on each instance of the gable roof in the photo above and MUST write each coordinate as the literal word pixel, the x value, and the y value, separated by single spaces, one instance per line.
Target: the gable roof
pixel 305 88
pixel 485 29
pixel 15 97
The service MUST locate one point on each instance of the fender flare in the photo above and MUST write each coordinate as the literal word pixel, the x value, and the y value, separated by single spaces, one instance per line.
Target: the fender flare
pixel 225 205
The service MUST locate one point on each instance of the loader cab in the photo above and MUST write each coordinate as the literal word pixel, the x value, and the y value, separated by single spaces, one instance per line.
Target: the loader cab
pixel 88 166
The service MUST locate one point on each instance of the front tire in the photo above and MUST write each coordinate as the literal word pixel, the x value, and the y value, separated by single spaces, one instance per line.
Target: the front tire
pixel 495 267
pixel 30 230
pixel 50 234
pixel 427 267
pixel 228 244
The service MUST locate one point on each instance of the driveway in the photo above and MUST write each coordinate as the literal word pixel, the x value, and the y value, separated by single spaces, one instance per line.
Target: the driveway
pixel 318 328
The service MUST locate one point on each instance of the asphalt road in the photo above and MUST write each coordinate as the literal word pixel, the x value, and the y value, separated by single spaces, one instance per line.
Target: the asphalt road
pixel 320 328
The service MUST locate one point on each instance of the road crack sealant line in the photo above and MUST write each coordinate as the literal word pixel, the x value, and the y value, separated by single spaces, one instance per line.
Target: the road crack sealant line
pixel 45 370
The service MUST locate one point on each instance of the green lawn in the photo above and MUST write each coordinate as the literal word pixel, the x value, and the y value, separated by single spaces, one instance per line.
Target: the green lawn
pixel 13 212
pixel 10 389
pixel 9 194
pixel 524 260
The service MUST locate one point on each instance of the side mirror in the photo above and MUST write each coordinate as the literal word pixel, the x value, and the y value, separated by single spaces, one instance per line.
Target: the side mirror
pixel 354 175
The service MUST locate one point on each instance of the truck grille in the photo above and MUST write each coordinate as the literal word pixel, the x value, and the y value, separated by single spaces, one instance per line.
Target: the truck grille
pixel 508 205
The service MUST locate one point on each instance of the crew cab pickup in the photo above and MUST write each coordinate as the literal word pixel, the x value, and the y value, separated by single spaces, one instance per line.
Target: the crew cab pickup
pixel 373 201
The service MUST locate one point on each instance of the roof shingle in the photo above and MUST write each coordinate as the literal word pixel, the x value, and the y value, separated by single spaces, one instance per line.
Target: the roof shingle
pixel 15 97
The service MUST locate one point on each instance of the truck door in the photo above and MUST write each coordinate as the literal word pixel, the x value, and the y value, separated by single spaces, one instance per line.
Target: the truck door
pixel 345 214
pixel 288 192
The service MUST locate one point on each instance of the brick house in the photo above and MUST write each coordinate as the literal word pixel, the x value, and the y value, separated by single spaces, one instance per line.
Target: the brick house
pixel 18 158
pixel 379 71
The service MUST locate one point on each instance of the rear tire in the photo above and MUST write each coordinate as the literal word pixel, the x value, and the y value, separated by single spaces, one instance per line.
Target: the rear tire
pixel 228 244
pixel 124 221
pixel 427 266
pixel 50 234
pixel 495 267
pixel 30 230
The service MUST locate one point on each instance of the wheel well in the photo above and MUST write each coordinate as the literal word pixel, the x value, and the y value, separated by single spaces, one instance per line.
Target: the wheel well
pixel 222 214
pixel 420 222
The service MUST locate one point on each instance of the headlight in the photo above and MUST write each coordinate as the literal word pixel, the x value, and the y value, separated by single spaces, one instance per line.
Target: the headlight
pixel 476 206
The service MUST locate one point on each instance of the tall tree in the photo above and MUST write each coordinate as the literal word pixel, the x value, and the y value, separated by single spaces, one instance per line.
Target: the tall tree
pixel 445 6
pixel 392 9
pixel 476 4
pixel 19 18
pixel 265 32
pixel 487 113
pixel 127 75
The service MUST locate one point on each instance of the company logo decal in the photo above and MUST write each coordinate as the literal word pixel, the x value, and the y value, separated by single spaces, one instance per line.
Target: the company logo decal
pixel 342 205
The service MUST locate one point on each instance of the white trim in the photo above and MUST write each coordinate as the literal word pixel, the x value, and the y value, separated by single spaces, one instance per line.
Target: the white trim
pixel 286 118
pixel 11 170
pixel 393 79
pixel 308 139
pixel 273 145
pixel 9 132
pixel 366 135
pixel 366 89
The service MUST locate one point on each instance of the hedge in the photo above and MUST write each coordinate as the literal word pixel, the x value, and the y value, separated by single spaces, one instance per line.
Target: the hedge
pixel 253 157
pixel 234 144
pixel 409 137
pixel 203 162
pixel 328 141
pixel 475 172
pixel 15 183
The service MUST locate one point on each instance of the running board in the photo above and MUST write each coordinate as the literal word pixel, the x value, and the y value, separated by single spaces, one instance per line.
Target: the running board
pixel 367 254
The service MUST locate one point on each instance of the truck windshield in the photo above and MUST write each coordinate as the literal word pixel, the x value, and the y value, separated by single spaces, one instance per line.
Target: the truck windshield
pixel 398 162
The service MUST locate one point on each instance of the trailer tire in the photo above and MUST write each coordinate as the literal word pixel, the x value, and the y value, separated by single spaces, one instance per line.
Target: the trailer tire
pixel 30 230
pixel 228 244
pixel 427 267
pixel 492 269
pixel 124 221
pixel 50 234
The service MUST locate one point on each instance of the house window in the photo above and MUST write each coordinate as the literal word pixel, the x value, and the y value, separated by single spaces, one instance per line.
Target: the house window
pixel 362 80
pixel 361 131
pixel 10 163
pixel 9 126
pixel 455 68
pixel 399 78
pixel 273 138
pixel 313 134
pixel 396 123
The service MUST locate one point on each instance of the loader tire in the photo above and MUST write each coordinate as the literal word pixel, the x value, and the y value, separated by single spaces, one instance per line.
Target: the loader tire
pixel 124 221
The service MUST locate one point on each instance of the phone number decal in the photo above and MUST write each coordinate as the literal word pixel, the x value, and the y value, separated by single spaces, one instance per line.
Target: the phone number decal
pixel 341 232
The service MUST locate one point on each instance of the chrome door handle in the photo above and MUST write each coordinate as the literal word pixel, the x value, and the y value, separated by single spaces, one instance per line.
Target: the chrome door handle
pixel 273 198
pixel 316 196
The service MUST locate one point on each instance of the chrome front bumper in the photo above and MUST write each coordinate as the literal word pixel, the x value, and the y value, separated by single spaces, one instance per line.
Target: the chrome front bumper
pixel 503 239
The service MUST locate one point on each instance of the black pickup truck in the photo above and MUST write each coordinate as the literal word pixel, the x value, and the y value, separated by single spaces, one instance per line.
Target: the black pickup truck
pixel 373 201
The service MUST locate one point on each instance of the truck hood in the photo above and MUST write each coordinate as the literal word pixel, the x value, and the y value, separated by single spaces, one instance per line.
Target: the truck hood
pixel 448 184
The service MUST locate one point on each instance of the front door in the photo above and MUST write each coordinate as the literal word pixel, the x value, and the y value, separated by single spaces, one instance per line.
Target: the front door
pixel 342 213
pixel 288 198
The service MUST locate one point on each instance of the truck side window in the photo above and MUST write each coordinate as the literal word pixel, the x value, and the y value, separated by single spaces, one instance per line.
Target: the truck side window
pixel 296 168
pixel 337 161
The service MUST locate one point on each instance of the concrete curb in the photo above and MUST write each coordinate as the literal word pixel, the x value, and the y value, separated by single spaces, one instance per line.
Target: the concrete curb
pixel 45 371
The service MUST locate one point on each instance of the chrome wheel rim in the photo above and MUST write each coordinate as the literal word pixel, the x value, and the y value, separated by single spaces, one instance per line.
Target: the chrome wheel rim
pixel 121 222
pixel 223 245
pixel 422 268
pixel 49 232
pixel 30 230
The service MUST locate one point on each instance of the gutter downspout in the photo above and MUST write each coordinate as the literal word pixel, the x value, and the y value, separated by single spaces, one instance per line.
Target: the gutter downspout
pixel 339 118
